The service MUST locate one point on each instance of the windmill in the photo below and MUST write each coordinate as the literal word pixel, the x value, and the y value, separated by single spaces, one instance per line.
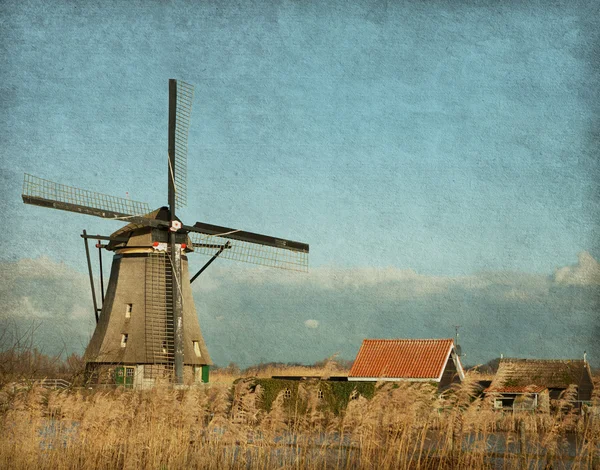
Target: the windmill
pixel 147 328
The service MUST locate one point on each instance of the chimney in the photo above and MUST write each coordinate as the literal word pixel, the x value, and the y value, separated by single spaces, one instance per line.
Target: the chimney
pixel 584 356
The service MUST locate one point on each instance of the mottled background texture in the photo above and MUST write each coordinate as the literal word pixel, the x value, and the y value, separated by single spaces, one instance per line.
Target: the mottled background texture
pixel 441 158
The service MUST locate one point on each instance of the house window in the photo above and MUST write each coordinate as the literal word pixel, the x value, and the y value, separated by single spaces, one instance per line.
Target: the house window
pixel 287 394
pixel 128 309
pixel 504 402
pixel 320 394
pixel 196 348
pixel 124 338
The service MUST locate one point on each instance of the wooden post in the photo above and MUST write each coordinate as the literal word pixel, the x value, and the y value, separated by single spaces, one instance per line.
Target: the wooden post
pixel 522 446
pixel 456 443
pixel 89 263
pixel 595 454
pixel 549 458
pixel 177 310
pixel 595 461
pixel 452 448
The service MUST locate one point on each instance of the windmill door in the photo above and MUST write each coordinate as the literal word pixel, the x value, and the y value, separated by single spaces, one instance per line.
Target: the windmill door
pixel 124 376
pixel 129 373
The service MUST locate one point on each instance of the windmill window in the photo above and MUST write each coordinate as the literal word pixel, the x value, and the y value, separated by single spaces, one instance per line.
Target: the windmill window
pixel 124 338
pixel 287 394
pixel 196 348
pixel 128 310
pixel 320 394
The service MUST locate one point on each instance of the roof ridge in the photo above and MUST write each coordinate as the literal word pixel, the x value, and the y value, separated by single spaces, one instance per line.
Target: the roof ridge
pixel 408 339
pixel 526 359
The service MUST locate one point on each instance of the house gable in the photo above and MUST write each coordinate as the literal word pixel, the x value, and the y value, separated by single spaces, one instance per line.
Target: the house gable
pixel 450 374
pixel 586 384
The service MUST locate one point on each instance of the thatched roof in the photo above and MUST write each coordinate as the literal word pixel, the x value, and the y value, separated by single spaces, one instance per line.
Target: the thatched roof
pixel 535 375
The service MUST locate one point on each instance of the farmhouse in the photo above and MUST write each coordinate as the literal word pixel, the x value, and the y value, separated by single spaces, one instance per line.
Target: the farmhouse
pixel 526 383
pixel 411 360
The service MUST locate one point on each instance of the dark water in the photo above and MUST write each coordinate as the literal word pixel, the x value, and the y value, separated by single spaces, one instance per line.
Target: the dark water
pixel 336 449
pixel 332 448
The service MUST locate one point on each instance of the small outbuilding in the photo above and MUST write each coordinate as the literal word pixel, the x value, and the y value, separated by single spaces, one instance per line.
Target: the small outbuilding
pixel 409 360
pixel 525 383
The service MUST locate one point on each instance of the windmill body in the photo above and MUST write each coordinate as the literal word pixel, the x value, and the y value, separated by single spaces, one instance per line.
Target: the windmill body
pixel 147 329
pixel 135 328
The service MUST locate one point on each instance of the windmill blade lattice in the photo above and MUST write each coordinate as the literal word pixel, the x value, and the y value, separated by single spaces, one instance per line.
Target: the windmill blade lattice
pixel 183 104
pixel 238 250
pixel 46 193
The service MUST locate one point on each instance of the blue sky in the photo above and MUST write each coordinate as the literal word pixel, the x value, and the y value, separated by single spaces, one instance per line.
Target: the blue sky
pixel 447 138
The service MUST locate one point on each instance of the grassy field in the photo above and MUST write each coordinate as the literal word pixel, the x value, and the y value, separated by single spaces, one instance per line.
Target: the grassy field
pixel 223 426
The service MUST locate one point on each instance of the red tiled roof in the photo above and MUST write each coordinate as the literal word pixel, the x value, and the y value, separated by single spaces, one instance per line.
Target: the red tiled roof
pixel 401 358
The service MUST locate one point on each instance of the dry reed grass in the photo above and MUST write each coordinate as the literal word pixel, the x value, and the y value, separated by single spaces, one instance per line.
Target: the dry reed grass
pixel 219 426
pixel 225 376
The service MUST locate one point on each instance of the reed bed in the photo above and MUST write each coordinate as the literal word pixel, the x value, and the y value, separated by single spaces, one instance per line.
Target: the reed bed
pixel 223 426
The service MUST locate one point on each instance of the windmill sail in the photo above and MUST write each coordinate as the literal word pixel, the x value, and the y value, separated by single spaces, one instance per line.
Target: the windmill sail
pixel 46 193
pixel 148 329
pixel 181 95
pixel 250 247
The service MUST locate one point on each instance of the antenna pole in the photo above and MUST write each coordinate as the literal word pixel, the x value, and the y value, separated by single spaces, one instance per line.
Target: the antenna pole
pixel 175 252
pixel 457 347
pixel 89 263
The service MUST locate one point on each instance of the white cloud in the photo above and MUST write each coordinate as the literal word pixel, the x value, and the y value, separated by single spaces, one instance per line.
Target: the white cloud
pixel 388 282
pixel 38 268
pixel 240 306
pixel 585 273
pixel 51 299
pixel 518 294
